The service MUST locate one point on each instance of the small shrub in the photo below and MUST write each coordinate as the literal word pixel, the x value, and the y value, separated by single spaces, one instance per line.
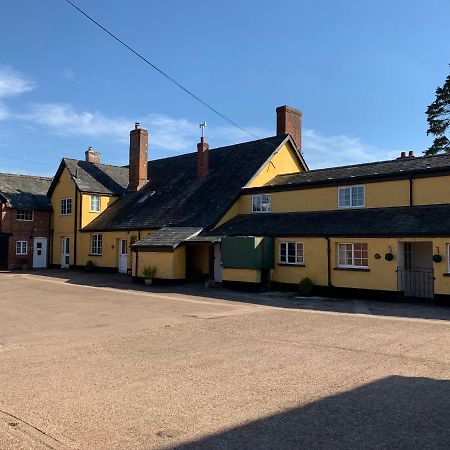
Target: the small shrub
pixel 305 286
pixel 149 272
pixel 90 266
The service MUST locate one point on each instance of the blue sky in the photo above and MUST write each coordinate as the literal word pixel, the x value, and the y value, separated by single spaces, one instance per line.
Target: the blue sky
pixel 362 72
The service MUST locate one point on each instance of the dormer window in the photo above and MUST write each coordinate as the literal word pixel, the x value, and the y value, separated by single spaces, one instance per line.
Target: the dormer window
pixel 351 197
pixel 95 203
pixel 261 203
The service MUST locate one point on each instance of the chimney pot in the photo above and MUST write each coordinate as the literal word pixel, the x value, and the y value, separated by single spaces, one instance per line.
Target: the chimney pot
pixel 137 170
pixel 403 155
pixel 92 156
pixel 289 120
pixel 411 154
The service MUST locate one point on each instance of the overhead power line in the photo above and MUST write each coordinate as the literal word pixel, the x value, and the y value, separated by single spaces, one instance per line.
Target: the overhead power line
pixel 161 72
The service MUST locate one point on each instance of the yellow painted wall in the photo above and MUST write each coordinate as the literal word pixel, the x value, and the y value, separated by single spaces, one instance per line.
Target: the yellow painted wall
pixel 85 205
pixel 283 162
pixel 315 262
pixel 381 275
pixel 431 191
pixel 242 275
pixel 169 265
pixel 63 225
pixel 377 195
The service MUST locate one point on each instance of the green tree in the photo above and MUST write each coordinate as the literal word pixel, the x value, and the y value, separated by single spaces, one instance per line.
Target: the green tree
pixel 438 117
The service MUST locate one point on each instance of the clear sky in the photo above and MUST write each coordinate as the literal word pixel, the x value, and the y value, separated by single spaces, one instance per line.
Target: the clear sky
pixel 362 72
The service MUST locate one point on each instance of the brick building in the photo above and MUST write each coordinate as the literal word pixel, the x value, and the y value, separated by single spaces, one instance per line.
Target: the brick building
pixel 24 221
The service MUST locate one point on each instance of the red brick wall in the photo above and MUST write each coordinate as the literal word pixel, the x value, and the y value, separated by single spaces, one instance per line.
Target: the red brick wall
pixel 23 231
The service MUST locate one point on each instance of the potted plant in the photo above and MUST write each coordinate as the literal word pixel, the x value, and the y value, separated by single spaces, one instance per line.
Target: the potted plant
pixel 23 264
pixel 90 266
pixel 305 286
pixel 149 273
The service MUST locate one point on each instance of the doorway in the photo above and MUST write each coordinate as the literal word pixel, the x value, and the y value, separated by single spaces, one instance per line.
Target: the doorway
pixel 65 252
pixel 4 245
pixel 123 256
pixel 40 253
pixel 415 273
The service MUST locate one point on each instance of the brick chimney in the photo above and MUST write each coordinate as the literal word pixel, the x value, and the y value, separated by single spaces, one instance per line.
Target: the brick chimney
pixel 138 158
pixel 289 120
pixel 202 158
pixel 92 156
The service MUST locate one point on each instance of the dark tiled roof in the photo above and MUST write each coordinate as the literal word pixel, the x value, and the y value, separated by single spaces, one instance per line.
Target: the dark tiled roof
pixel 97 178
pixel 167 237
pixel 25 191
pixel 175 196
pixel 397 167
pixel 432 220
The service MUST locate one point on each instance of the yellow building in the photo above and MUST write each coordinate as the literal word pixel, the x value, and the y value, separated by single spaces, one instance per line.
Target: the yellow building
pixel 254 213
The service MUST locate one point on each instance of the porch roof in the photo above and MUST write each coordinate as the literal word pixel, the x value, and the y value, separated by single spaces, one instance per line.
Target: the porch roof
pixel 166 238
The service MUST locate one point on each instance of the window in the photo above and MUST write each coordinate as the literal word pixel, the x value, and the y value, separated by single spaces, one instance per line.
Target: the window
pixel 96 244
pixel 448 258
pixel 291 253
pixel 95 203
pixel 25 214
pixel 21 248
pixel 261 203
pixel 66 206
pixel 351 197
pixel 353 255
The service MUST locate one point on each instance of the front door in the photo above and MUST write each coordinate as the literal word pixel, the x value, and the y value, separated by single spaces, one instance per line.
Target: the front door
pixel 123 256
pixel 40 253
pixel 4 241
pixel 65 252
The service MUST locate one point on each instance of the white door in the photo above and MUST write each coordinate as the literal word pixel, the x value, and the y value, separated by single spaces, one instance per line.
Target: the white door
pixel 40 253
pixel 123 256
pixel 65 252
pixel 217 264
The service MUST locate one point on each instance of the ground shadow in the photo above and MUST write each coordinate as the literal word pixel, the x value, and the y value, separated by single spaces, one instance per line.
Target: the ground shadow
pixel 290 300
pixel 395 412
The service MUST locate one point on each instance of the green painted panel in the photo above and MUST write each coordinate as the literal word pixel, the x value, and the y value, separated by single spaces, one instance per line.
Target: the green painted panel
pixel 247 252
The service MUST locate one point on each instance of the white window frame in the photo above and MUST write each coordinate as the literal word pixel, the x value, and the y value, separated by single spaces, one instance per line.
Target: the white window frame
pixel 299 257
pixel 263 207
pixel 97 248
pixel 92 202
pixel 24 213
pixel 352 265
pixel 340 189
pixel 22 245
pixel 65 202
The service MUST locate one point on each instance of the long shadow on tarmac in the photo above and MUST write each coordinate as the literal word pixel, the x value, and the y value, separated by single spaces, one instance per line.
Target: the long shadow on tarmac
pixel 394 412
pixel 394 308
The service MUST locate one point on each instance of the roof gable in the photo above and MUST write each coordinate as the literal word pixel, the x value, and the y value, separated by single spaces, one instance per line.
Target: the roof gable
pixel 25 191
pixel 90 177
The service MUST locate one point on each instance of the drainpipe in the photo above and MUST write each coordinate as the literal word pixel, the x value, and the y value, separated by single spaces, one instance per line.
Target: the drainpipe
pixel 136 274
pixel 75 229
pixel 329 284
pixel 410 190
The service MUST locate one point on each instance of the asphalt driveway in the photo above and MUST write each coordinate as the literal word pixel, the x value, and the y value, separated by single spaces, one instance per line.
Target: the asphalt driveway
pixel 109 367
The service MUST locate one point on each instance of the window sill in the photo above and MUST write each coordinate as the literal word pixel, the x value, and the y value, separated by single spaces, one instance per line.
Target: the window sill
pixel 95 254
pixel 446 274
pixel 357 269
pixel 291 265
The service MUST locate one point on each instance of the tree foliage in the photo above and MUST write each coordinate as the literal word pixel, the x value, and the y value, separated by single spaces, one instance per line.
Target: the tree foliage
pixel 438 117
